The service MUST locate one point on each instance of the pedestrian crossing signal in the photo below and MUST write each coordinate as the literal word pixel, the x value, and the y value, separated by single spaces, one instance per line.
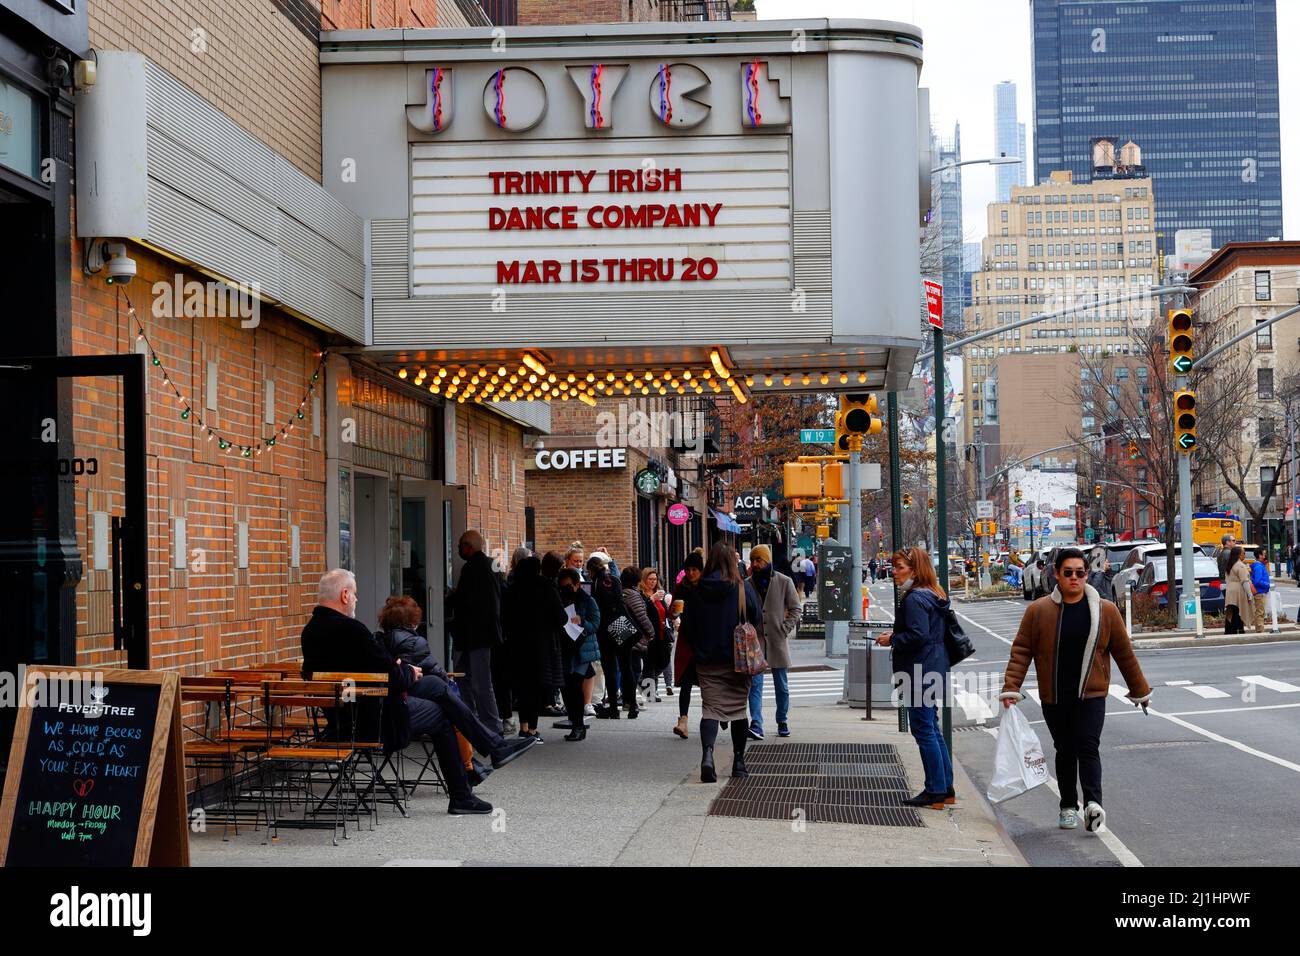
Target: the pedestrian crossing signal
pixel 907 502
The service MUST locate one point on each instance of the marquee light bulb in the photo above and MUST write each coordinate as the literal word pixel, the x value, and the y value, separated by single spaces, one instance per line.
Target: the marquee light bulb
pixel 501 371
pixel 767 379
pixel 442 372
pixel 825 378
pixel 401 372
pixel 718 365
pixel 844 378
pixel 534 363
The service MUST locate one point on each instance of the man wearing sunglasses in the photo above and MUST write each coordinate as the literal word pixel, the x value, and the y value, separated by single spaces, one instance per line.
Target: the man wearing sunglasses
pixel 1071 636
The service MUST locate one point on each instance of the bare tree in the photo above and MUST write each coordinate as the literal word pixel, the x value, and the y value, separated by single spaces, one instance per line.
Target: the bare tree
pixel 1129 399
pixel 1251 444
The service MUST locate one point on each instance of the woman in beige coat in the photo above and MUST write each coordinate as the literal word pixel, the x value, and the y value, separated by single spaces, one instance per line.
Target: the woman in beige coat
pixel 1238 593
pixel 781 612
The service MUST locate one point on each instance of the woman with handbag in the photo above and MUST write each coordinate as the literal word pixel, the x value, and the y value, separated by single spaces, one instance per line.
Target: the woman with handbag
pixel 580 654
pixel 618 632
pixel 725 615
pixel 1238 592
pixel 921 659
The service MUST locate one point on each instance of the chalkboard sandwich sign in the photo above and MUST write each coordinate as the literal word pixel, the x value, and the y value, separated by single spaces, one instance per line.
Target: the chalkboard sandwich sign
pixel 95 771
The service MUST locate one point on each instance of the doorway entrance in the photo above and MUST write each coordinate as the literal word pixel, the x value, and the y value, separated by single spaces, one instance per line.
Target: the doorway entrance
pixel 432 521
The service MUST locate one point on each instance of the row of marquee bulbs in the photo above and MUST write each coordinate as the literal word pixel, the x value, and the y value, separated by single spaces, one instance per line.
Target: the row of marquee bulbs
pixel 464 383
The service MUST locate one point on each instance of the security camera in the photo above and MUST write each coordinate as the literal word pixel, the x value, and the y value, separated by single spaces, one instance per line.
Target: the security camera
pixel 120 267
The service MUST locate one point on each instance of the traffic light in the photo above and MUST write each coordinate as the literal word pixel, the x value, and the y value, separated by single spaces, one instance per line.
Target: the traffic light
pixel 1180 341
pixel 856 417
pixel 907 501
pixel 1017 496
pixel 1096 490
pixel 1133 451
pixel 833 480
pixel 929 506
pixel 1185 420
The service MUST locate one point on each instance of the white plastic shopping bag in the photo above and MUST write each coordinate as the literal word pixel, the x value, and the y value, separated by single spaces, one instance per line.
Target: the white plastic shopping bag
pixel 1019 764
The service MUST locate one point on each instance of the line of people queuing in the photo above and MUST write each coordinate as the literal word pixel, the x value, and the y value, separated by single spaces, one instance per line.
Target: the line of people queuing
pixel 567 635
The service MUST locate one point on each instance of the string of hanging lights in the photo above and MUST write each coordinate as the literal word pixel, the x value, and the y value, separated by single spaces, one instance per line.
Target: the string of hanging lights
pixel 228 444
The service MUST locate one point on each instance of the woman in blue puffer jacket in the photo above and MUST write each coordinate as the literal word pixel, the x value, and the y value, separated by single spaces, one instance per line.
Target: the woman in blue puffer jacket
pixel 921 661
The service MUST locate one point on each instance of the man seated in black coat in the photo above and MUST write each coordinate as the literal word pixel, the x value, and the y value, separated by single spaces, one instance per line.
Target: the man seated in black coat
pixel 334 640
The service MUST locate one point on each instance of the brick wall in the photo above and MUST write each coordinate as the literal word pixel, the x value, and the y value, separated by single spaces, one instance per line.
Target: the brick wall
pixel 256 61
pixel 210 614
pixel 594 506
pixel 378 14
pixel 555 12
pixel 494 490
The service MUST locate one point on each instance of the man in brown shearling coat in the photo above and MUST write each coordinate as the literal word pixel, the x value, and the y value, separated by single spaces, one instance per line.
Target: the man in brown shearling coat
pixel 1071 636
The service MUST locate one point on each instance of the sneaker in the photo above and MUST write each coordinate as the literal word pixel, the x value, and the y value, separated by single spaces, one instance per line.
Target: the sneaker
pixel 756 732
pixel 668 691
pixel 589 710
pixel 532 736
pixel 783 730
pixel 1094 817
pixel 511 749
pixel 468 805
pixel 1069 819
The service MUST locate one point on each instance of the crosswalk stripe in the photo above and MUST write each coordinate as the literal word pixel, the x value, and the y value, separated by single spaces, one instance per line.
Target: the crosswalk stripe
pixel 1177 683
pixel 1209 693
pixel 1277 685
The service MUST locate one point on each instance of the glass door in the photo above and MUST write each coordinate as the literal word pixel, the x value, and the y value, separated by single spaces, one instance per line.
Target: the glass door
pixel 433 518
pixel 73 528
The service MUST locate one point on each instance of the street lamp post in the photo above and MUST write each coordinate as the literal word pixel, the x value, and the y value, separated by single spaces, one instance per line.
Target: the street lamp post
pixel 940 471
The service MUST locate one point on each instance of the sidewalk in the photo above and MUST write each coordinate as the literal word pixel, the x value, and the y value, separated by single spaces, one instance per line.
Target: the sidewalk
pixel 630 795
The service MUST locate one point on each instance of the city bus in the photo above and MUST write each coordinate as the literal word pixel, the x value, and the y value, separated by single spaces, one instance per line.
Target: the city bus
pixel 1209 527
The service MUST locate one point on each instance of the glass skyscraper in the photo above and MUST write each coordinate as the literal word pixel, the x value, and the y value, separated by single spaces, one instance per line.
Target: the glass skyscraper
pixel 1192 82
pixel 946 237
pixel 1008 139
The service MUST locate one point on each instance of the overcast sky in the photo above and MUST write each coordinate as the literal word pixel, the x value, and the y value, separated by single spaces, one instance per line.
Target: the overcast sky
pixel 971 46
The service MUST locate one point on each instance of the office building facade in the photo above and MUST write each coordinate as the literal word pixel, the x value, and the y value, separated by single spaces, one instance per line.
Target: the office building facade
pixel 1194 81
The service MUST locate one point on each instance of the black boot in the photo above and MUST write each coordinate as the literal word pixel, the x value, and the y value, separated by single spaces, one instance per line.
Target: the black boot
pixel 707 773
pixel 578 733
pixel 738 768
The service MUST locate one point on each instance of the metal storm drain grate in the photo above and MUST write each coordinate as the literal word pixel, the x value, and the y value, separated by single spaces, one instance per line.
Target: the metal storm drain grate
pixel 821 783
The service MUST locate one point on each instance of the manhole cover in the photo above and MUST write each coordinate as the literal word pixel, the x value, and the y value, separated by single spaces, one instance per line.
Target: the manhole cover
pixel 821 783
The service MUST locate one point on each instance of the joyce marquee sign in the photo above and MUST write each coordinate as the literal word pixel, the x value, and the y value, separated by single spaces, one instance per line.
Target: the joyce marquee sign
pixel 555 217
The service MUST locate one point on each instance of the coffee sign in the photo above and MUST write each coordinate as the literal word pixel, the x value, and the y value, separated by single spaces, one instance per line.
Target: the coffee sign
pixel 578 458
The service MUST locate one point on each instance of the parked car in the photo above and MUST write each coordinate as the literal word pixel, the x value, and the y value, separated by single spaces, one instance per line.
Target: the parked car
pixel 1152 581
pixel 1138 557
pixel 1118 551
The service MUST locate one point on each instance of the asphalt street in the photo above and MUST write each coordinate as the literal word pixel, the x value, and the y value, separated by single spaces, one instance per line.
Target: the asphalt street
pixel 1206 777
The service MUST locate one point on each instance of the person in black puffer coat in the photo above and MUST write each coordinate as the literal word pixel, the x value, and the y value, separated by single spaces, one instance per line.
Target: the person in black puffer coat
pixel 532 618
pixel 399 620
